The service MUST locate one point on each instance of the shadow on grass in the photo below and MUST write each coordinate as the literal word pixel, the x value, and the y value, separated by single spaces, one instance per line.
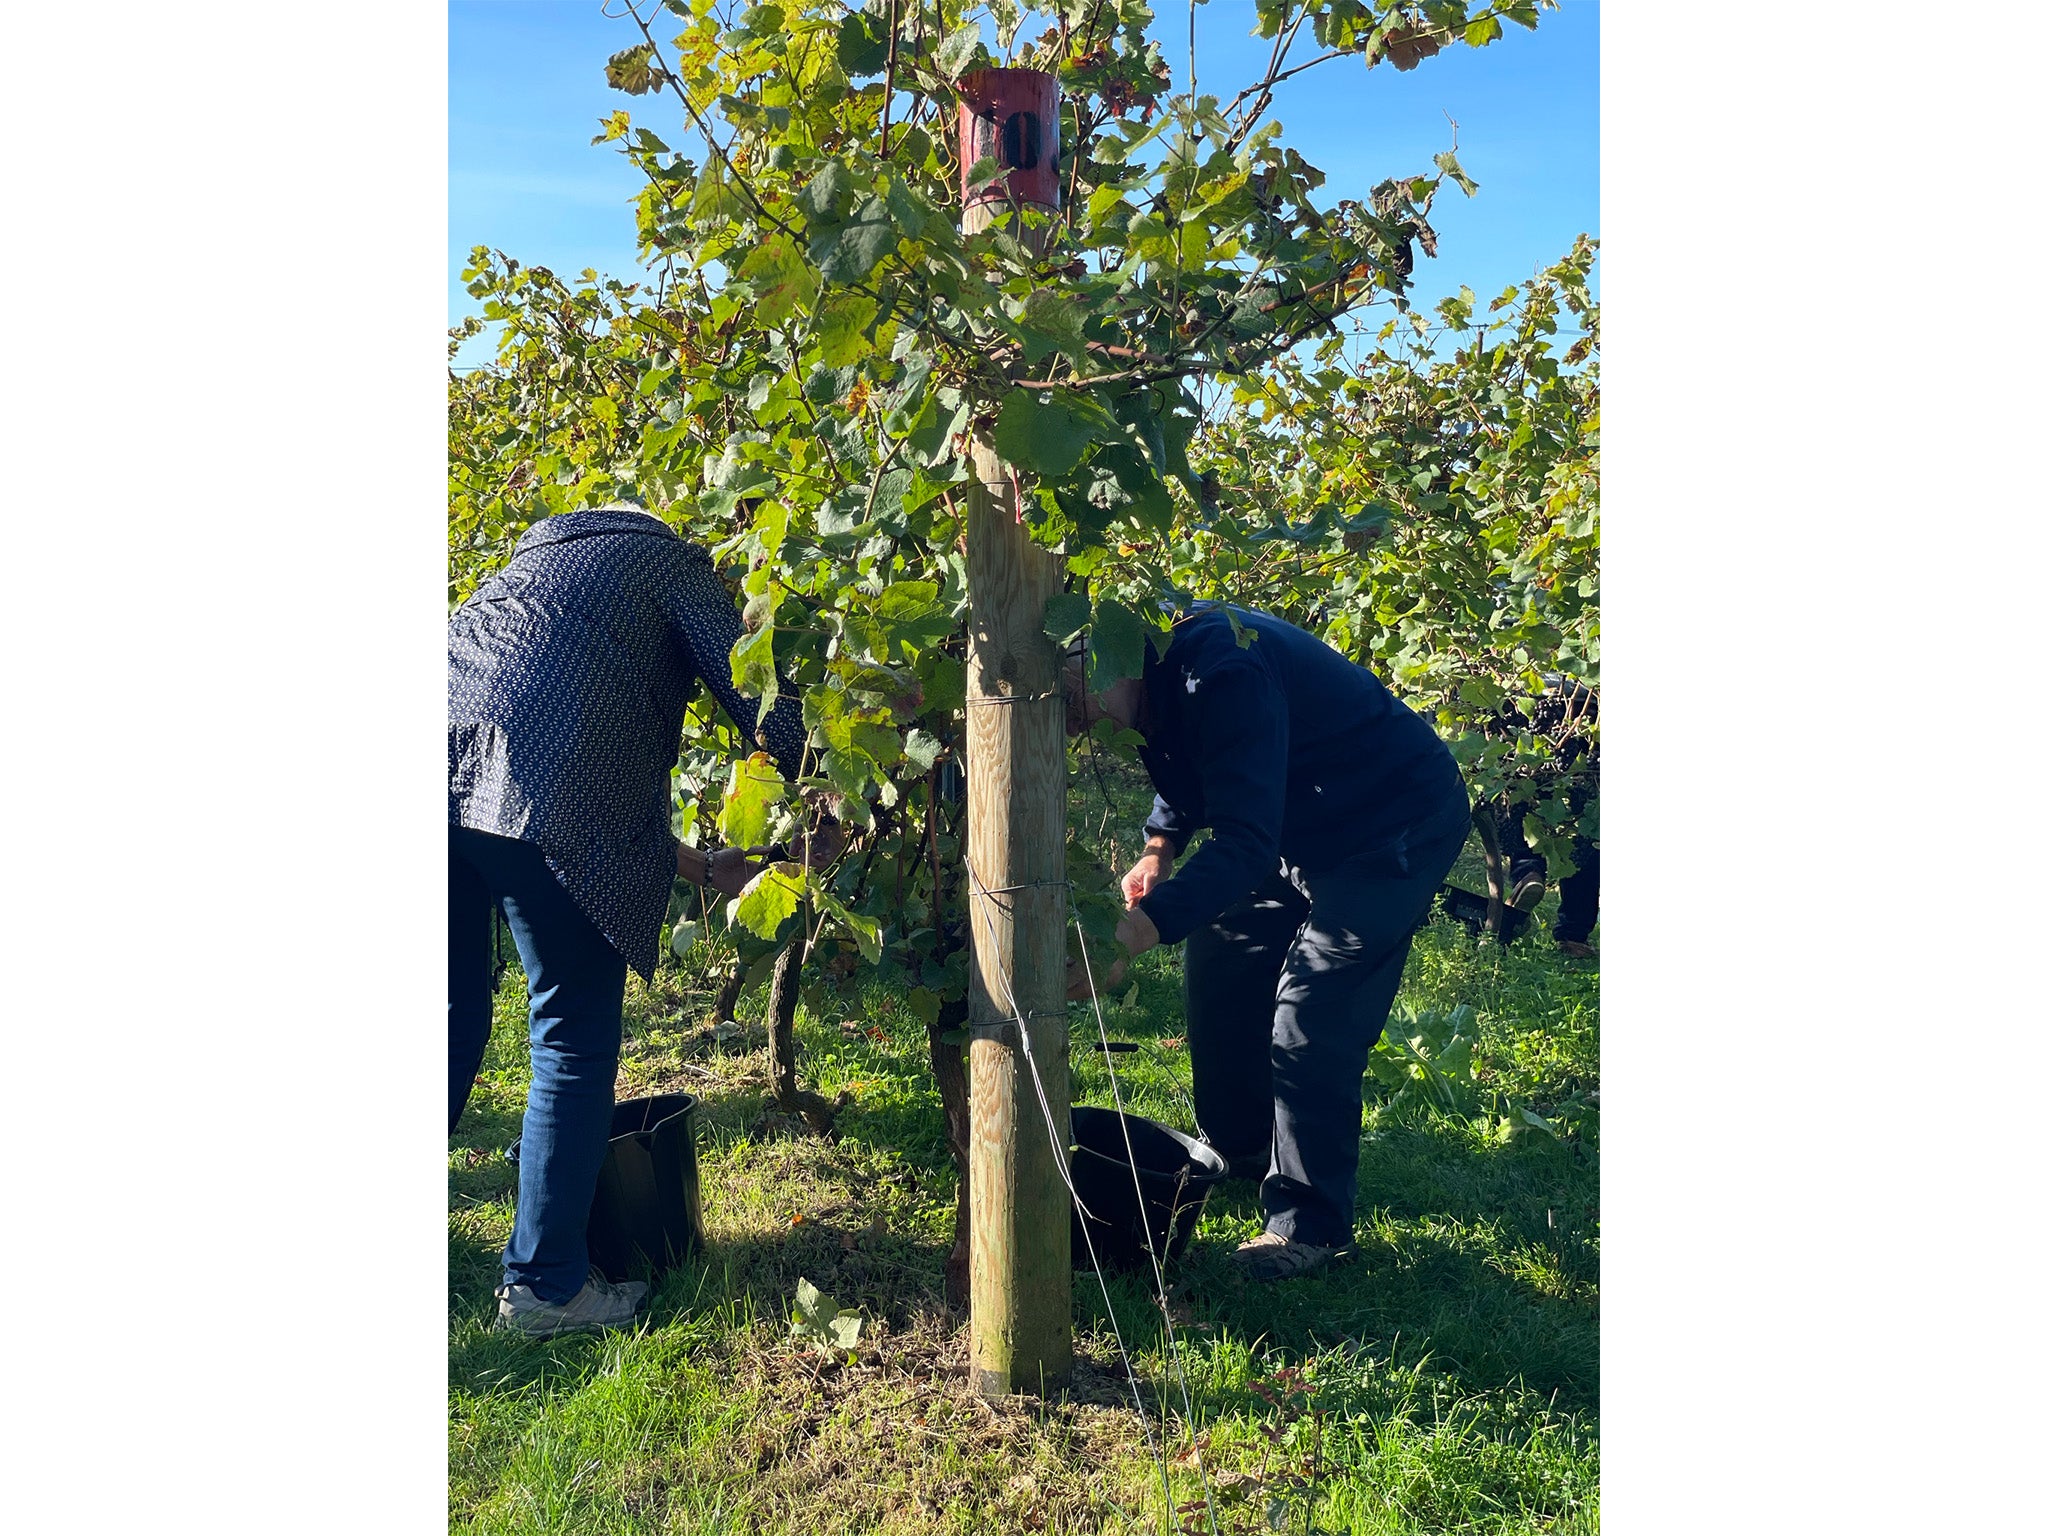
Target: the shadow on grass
pixel 1481 1256
pixel 852 1230
pixel 1474 1259
pixel 727 1287
pixel 1492 1300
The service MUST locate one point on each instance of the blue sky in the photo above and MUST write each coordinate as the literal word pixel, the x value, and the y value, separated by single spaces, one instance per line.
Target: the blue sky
pixel 526 92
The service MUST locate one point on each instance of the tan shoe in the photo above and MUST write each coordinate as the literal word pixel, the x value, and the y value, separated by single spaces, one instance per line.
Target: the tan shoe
pixel 1269 1256
pixel 599 1305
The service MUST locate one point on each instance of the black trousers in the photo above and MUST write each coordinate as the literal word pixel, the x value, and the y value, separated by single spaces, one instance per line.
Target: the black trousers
pixel 1287 993
pixel 1578 894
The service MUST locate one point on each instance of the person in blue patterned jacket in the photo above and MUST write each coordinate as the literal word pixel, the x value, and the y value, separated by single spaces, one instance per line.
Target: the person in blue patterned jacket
pixel 569 672
pixel 1334 813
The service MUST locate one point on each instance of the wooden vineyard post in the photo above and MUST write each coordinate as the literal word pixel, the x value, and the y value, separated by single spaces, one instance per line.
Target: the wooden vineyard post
pixel 1021 1277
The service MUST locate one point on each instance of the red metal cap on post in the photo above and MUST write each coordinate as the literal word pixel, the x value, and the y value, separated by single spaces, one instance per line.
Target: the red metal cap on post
pixel 1012 116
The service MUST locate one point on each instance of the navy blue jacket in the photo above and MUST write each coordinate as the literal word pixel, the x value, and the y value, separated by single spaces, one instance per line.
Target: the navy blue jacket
pixel 1288 752
pixel 568 675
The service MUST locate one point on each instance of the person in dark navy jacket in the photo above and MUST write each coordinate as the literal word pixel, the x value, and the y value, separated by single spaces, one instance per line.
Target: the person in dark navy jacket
pixel 569 672
pixel 1563 714
pixel 1334 813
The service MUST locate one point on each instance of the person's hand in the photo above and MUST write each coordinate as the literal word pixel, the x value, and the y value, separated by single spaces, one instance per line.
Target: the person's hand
pixel 1154 865
pixel 729 869
pixel 822 843
pixel 1137 933
pixel 825 839
pixel 1077 979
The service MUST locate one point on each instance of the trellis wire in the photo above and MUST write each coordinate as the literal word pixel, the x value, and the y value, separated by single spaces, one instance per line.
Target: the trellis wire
pixel 1151 1252
pixel 1059 1153
pixel 1059 1157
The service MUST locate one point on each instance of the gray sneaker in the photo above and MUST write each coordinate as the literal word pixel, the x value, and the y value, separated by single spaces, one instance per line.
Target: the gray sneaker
pixel 599 1305
pixel 1528 893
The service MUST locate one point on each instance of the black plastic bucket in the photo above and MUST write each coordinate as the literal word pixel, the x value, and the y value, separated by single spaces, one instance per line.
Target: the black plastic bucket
pixel 647 1213
pixel 1175 1174
pixel 1469 908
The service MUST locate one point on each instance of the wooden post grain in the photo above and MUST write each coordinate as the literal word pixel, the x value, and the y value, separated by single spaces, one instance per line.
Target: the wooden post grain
pixel 1021 1276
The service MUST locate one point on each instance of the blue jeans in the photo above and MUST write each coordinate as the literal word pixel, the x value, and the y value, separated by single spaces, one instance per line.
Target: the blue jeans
pixel 576 982
pixel 1287 993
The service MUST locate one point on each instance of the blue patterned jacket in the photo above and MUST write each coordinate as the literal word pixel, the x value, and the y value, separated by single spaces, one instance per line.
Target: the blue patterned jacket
pixel 568 675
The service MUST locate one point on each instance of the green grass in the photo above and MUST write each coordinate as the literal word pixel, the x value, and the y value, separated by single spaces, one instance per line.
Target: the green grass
pixel 1449 1373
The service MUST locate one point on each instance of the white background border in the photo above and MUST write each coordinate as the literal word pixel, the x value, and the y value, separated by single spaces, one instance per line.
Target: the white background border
pixel 224 609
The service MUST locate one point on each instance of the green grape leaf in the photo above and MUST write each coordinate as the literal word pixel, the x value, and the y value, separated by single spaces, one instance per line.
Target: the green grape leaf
pixel 826 194
pixel 849 254
pixel 1448 164
pixel 863 45
pixel 843 320
pixel 634 71
pixel 1066 615
pixel 867 933
pixel 752 791
pixel 958 50
pixel 753 666
pixel 921 750
pixel 1116 645
pixel 1046 431
pixel 770 900
pixel 945 683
